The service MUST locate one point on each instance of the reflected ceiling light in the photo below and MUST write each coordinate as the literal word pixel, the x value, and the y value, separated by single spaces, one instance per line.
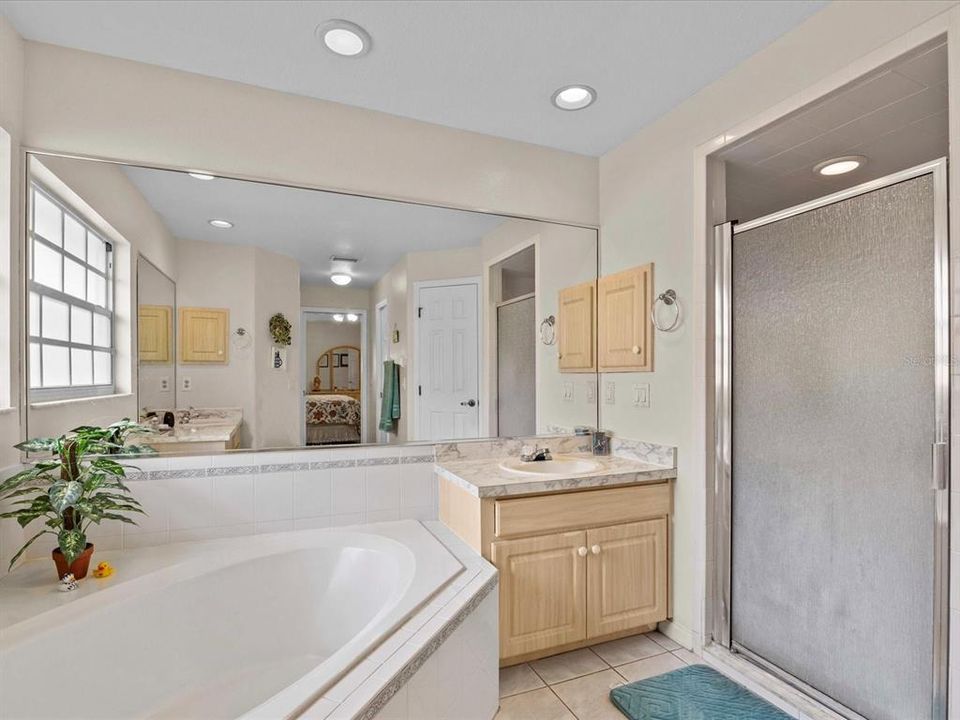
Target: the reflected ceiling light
pixel 839 165
pixel 352 317
pixel 224 224
pixel 344 38
pixel 340 279
pixel 201 175
pixel 338 317
pixel 574 97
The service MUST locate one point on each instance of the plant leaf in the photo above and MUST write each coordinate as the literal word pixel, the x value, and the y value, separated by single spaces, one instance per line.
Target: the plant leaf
pixel 35 445
pixel 72 543
pixel 64 494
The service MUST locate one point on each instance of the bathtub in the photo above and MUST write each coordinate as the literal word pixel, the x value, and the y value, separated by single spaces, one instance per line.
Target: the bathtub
pixel 247 627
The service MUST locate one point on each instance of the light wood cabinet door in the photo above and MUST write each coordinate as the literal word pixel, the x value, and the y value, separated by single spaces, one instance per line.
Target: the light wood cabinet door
pixel 542 594
pixel 625 331
pixel 203 335
pixel 626 576
pixel 153 333
pixel 576 328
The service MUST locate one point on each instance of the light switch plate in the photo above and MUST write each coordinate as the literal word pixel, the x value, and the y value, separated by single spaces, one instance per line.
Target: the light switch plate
pixel 641 395
pixel 566 393
pixel 610 392
pixel 592 392
pixel 186 384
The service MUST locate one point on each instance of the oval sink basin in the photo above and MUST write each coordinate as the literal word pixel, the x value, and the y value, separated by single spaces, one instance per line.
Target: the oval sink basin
pixel 560 465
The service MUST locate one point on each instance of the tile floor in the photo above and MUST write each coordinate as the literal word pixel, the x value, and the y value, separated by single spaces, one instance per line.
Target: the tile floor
pixel 576 685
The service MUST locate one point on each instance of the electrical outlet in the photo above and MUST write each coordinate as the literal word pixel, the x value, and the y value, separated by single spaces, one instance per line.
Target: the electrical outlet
pixel 610 392
pixel 566 393
pixel 592 392
pixel 186 384
pixel 641 395
pixel 164 383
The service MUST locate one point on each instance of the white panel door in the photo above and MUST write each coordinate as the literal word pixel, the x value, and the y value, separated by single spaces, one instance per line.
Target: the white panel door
pixel 448 384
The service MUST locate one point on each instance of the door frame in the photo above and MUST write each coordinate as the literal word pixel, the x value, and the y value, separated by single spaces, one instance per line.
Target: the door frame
pixel 940 480
pixel 364 379
pixel 376 370
pixel 413 429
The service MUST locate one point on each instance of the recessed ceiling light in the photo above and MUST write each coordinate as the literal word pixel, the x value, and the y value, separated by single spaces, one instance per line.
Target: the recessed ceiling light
pixel 352 317
pixel 338 317
pixel 574 97
pixel 840 165
pixel 344 38
pixel 201 175
pixel 340 279
pixel 221 223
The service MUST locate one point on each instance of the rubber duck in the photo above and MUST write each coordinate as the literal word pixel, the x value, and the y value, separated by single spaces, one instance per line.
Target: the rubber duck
pixel 103 570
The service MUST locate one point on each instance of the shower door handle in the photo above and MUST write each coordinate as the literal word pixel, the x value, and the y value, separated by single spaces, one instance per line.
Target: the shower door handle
pixel 940 465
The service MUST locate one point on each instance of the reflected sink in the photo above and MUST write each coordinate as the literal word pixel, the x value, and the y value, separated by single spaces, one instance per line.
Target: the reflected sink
pixel 560 465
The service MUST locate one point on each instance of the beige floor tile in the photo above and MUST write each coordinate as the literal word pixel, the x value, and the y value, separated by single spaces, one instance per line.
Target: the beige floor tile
pixel 688 657
pixel 518 679
pixel 648 667
pixel 539 704
pixel 589 696
pixel 628 649
pixel 568 666
pixel 661 639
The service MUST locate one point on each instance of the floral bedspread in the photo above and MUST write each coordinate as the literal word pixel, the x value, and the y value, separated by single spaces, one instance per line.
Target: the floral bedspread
pixel 332 410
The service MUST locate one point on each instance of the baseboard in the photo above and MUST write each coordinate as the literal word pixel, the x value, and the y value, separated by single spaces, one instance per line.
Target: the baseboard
pixel 680 634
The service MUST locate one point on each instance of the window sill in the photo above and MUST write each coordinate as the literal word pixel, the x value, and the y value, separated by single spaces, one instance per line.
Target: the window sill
pixel 74 401
pixel 8 410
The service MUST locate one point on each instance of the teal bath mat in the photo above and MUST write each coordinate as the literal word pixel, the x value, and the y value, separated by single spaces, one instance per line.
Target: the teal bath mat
pixel 696 692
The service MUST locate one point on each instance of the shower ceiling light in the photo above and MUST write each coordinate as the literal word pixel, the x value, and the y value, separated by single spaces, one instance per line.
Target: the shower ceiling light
pixel 223 224
pixel 352 317
pixel 340 279
pixel 574 97
pixel 840 165
pixel 344 38
pixel 338 317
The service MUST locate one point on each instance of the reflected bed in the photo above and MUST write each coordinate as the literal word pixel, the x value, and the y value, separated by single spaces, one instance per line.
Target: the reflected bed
pixel 332 419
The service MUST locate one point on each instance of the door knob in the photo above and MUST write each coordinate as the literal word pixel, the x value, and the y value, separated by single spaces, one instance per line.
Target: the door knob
pixel 582 552
pixel 595 549
pixel 469 403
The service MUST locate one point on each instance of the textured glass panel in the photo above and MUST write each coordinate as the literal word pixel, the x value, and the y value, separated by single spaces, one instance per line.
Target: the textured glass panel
pixel 102 368
pixel 101 330
pixel 74 278
pixel 35 380
pixel 96 252
pixel 74 237
pixel 46 219
pixel 47 266
pixel 56 366
pixel 81 325
pixel 34 314
pixel 833 416
pixel 81 366
pixel 516 372
pixel 56 319
pixel 96 289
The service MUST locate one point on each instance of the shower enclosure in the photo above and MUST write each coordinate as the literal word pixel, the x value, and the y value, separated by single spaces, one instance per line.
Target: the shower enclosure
pixel 832 445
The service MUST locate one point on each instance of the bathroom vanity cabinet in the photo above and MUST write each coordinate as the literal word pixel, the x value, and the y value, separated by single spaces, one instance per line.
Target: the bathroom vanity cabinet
pixel 576 328
pixel 625 338
pixel 576 568
pixel 203 335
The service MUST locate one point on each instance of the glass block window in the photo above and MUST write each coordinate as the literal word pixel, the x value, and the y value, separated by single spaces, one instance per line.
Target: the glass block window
pixel 70 304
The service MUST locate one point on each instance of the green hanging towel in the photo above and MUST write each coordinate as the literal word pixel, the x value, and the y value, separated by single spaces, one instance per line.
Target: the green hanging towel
pixel 390 402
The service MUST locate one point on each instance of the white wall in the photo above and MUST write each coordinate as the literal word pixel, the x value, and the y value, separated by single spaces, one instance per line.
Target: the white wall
pixel 648 213
pixel 323 334
pixel 314 295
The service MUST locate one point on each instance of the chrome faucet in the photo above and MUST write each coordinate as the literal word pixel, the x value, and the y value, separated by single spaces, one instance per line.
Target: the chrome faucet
pixel 535 454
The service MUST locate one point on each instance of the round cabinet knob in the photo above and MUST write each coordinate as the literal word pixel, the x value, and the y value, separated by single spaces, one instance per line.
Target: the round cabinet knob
pixel 636 349
pixel 595 549
pixel 582 552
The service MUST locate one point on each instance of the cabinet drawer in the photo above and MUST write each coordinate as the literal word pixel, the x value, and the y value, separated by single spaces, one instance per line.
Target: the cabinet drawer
pixel 591 508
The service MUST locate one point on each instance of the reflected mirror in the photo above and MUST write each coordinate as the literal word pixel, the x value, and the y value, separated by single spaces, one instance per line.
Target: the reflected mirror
pixel 235 314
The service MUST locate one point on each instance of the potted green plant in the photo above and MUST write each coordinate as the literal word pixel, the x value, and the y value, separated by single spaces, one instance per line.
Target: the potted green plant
pixel 78 485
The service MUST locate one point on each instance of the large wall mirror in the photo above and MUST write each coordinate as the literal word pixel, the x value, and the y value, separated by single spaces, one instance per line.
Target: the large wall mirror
pixel 234 314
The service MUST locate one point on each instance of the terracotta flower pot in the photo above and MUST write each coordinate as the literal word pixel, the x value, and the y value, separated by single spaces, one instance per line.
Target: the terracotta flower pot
pixel 78 567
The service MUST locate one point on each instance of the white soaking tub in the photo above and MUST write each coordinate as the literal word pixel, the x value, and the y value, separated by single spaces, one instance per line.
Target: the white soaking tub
pixel 252 627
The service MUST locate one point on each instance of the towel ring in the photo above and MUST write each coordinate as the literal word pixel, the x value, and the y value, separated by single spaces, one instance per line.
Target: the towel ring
pixel 548 333
pixel 668 298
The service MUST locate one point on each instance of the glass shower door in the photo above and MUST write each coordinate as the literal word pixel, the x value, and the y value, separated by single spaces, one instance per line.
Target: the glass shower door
pixel 833 319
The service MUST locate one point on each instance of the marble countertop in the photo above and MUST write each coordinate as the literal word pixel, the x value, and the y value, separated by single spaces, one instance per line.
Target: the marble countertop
pixel 485 478
pixel 205 425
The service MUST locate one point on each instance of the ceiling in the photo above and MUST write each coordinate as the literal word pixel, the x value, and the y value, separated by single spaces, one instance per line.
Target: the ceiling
pixel 307 225
pixel 490 67
pixel 896 117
